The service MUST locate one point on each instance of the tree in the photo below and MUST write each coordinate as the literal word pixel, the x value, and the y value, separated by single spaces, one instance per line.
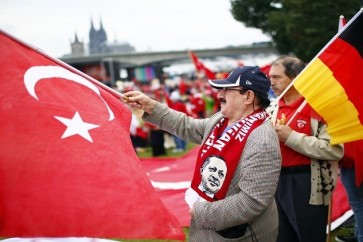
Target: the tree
pixel 299 27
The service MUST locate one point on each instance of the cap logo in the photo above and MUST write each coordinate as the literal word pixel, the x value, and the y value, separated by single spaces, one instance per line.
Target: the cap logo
pixel 248 82
pixel 238 80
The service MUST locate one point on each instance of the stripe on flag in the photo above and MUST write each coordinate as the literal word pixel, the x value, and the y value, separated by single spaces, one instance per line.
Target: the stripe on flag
pixel 331 83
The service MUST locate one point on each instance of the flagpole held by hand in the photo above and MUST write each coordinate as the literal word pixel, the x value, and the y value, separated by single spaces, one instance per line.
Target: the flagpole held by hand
pixel 137 99
pixel 303 104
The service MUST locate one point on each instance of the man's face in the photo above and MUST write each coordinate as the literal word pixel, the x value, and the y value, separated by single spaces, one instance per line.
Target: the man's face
pixel 214 174
pixel 279 81
pixel 232 102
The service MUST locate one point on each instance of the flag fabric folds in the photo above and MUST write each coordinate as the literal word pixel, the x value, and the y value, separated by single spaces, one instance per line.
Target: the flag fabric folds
pixel 331 83
pixel 67 165
pixel 200 67
pixel 354 149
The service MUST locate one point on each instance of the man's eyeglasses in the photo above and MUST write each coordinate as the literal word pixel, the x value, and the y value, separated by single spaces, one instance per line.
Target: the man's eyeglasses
pixel 241 90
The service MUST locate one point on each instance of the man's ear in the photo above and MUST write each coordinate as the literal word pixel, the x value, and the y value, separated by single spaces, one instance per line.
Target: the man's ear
pixel 250 97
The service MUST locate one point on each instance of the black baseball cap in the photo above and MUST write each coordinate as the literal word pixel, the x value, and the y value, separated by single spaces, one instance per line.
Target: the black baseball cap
pixel 249 77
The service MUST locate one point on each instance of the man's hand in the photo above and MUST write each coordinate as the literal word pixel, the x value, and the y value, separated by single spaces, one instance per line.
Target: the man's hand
pixel 283 131
pixel 136 99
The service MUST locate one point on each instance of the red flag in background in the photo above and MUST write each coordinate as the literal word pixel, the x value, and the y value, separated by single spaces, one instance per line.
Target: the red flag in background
pixel 67 165
pixel 266 68
pixel 200 67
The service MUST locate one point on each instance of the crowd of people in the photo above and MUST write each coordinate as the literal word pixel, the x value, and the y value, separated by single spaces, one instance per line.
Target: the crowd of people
pixel 265 170
pixel 192 97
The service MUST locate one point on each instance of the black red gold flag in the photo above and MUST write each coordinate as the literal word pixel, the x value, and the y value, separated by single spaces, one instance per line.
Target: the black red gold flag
pixel 332 83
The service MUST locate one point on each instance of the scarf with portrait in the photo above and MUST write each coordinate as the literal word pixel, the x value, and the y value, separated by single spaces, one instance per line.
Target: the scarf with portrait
pixel 219 156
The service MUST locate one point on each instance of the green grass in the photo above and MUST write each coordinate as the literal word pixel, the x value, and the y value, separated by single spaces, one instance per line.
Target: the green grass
pixel 148 152
pixel 340 231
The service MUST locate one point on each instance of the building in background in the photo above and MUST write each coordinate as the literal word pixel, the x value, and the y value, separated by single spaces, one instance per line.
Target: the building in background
pixel 77 47
pixel 97 40
pixel 99 44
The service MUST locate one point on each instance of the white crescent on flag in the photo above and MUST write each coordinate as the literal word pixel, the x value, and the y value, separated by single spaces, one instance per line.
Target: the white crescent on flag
pixel 36 73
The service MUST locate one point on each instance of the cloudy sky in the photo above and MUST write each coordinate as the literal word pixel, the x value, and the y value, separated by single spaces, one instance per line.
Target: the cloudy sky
pixel 148 25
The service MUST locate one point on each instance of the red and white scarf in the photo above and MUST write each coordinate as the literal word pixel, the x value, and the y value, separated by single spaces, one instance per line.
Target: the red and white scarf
pixel 223 149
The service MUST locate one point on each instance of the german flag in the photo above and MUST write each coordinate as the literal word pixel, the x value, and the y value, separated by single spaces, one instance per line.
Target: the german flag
pixel 332 83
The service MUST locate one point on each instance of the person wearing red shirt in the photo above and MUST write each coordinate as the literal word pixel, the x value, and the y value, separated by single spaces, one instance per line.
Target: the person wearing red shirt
pixel 309 162
pixel 198 105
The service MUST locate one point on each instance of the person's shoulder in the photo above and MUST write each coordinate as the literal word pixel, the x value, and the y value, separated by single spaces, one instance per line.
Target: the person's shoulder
pixel 264 137
pixel 272 107
pixel 265 131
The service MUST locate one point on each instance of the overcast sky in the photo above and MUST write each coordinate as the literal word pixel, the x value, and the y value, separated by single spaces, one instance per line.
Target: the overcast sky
pixel 148 25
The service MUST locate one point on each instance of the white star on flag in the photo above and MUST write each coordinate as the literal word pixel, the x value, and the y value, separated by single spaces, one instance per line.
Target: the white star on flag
pixel 76 126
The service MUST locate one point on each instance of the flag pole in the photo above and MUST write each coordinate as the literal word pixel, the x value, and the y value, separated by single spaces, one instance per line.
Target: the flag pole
pixel 296 112
pixel 65 65
pixel 329 218
pixel 341 25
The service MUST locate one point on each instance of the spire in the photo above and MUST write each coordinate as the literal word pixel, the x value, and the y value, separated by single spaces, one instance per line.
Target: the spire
pixel 102 33
pixel 76 38
pixel 101 26
pixel 92 27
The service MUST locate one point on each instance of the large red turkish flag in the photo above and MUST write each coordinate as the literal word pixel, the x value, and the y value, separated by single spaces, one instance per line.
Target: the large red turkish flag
pixel 67 165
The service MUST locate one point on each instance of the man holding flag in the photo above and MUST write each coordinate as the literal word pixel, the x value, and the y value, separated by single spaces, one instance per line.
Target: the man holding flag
pixel 331 84
pixel 307 176
pixel 238 164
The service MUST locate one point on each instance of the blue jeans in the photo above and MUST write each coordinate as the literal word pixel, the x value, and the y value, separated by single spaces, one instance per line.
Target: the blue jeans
pixel 179 143
pixel 355 197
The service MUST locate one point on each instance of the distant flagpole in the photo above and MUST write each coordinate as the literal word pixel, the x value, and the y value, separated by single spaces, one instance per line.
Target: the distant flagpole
pixel 342 23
